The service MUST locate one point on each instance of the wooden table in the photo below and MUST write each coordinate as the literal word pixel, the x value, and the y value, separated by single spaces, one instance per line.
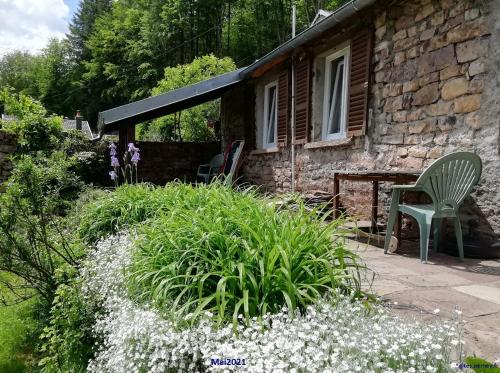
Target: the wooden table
pixel 398 177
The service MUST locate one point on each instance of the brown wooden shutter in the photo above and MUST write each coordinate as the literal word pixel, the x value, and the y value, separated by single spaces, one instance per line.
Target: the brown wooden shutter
pixel 359 84
pixel 302 100
pixel 282 108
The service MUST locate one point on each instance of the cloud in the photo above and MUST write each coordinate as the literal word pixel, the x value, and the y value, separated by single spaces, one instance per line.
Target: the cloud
pixel 29 24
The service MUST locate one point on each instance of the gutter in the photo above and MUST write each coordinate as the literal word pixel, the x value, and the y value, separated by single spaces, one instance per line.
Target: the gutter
pixel 341 14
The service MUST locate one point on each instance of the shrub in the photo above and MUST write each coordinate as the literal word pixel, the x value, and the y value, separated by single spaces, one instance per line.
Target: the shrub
pixel 68 340
pixel 34 129
pixel 213 248
pixel 90 158
pixel 35 237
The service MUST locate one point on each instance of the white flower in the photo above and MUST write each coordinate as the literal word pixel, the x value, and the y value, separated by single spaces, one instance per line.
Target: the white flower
pixel 329 337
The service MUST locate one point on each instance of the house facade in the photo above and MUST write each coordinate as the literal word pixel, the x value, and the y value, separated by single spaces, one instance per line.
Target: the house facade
pixel 387 86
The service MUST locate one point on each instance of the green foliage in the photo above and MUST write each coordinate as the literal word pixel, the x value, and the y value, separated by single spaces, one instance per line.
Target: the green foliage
pixel 212 248
pixel 58 79
pixel 17 325
pixel 67 340
pixel 34 130
pixel 191 124
pixel 116 51
pixel 481 366
pixel 18 70
pixel 35 238
pixel 126 206
pixel 83 24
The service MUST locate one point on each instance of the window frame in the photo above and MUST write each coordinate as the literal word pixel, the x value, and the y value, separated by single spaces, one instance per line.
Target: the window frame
pixel 265 123
pixel 344 52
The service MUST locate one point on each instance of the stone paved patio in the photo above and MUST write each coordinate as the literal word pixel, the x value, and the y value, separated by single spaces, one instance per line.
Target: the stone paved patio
pixel 444 283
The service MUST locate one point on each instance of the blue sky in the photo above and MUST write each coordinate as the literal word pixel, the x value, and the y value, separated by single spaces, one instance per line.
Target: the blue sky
pixel 73 6
pixel 28 25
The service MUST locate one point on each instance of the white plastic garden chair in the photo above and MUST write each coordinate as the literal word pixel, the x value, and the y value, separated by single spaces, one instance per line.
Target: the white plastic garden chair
pixel 210 170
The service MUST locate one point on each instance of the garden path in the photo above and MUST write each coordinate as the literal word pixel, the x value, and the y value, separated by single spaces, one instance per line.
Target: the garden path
pixel 444 283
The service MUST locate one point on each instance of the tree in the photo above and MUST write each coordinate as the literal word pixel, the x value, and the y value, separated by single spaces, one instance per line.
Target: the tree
pixel 58 80
pixel 18 71
pixel 191 124
pixel 83 24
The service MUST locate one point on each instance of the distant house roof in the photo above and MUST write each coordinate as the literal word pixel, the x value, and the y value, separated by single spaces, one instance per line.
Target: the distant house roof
pixel 186 97
pixel 8 118
pixel 70 124
pixel 168 103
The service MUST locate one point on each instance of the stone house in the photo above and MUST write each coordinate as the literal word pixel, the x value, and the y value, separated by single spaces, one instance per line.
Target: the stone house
pixel 379 85
pixel 373 85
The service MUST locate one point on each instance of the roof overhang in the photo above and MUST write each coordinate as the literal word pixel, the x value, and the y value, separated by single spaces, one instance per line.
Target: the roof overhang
pixel 168 103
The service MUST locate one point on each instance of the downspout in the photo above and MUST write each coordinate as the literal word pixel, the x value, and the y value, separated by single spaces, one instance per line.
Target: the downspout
pixel 292 115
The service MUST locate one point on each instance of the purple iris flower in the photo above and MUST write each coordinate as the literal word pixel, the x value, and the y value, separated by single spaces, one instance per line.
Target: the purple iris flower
pixel 112 152
pixel 132 148
pixel 114 161
pixel 136 157
pixel 113 175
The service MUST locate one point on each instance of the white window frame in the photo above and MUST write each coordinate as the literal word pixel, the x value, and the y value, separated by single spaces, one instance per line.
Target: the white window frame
pixel 345 52
pixel 265 126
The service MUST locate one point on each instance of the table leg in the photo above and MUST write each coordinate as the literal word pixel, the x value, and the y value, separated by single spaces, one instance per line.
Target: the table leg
pixel 336 198
pixel 374 205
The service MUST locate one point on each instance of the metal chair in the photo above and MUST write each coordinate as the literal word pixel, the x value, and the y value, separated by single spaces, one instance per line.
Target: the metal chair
pixel 447 181
pixel 210 170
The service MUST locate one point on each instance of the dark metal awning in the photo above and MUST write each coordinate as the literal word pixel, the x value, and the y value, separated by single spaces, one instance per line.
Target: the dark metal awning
pixel 168 103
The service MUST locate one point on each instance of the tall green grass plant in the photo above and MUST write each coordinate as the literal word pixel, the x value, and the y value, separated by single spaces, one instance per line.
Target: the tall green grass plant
pixel 231 253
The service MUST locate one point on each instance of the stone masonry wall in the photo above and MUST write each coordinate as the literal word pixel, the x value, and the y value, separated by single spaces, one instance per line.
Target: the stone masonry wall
pixel 7 147
pixel 162 162
pixel 435 90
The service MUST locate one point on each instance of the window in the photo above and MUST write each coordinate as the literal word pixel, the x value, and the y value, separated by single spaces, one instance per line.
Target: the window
pixel 270 115
pixel 335 95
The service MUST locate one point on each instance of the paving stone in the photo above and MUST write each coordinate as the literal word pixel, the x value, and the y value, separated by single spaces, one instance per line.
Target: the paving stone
pixel 489 293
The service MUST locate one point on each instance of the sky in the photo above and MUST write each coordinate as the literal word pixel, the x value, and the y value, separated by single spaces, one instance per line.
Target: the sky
pixel 29 24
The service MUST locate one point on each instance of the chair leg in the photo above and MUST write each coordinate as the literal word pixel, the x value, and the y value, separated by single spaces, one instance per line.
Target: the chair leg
pixel 424 224
pixel 437 233
pixel 393 214
pixel 458 234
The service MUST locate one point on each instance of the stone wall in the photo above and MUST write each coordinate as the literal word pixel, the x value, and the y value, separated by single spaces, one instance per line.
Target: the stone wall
pixel 435 90
pixel 7 147
pixel 162 162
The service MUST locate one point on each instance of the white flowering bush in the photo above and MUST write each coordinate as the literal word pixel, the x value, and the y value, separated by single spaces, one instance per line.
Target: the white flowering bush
pixel 337 335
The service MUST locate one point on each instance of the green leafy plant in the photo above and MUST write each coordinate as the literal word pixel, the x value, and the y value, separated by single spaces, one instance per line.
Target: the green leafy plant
pixel 215 249
pixel 481 366
pixel 191 124
pixel 126 206
pixel 68 340
pixel 35 237
pixel 34 129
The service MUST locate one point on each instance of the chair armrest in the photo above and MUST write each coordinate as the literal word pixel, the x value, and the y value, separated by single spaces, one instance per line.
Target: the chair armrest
pixel 204 168
pixel 407 187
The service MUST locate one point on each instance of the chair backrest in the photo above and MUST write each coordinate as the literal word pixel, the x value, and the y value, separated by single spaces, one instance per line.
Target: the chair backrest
pixel 451 178
pixel 217 161
pixel 232 160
